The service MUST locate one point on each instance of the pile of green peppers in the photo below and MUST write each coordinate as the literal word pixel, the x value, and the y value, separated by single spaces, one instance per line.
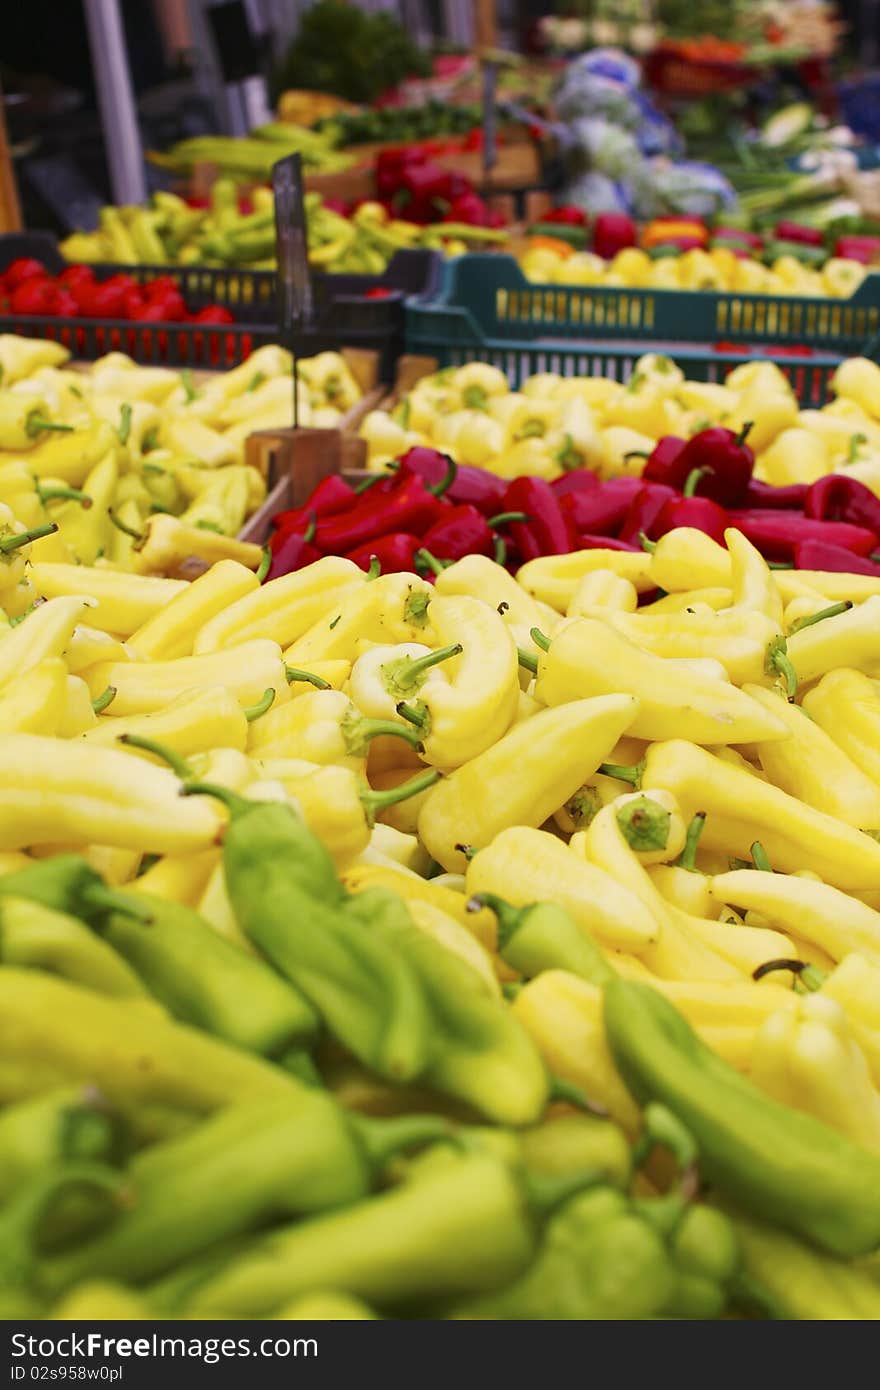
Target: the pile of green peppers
pixel 172 1144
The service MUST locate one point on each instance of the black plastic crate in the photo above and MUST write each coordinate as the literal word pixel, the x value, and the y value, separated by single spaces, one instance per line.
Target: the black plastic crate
pixel 346 315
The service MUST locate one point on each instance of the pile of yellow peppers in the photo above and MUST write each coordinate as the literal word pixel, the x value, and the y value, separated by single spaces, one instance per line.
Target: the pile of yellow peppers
pixel 554 423
pixel 696 781
pixel 140 467
pixel 715 269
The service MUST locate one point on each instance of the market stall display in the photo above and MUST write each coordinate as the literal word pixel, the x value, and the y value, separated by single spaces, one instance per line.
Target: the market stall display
pixel 440 838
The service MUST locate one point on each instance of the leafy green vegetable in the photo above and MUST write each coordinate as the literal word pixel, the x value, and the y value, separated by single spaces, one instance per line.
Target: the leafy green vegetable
pixel 341 49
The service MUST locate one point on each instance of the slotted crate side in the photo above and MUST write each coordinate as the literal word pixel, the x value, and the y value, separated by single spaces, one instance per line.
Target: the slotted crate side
pixel 214 348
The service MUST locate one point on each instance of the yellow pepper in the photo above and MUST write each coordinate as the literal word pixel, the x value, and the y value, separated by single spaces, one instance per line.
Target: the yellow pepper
pixel 44 632
pixel 477 576
pixel 196 721
pixel 123 602
pixel 796 455
pixel 858 379
pixel 36 705
pixel 523 778
pixel 810 766
pixel 384 675
pixel 60 791
pixel 87 531
pixel 587 657
pixel 640 407
pixel 605 590
pixel 845 703
pixel 392 608
pixel 168 543
pixel 624 451
pixel 181 878
pixel 553 579
pixel 323 727
pixel 71 457
pixel 142 687
pixel 820 914
pixel 846 639
pixel 808 1058
pixel 524 865
pixel 413 888
pixel 741 809
pixel 171 632
pixel 284 609
pixel 20 357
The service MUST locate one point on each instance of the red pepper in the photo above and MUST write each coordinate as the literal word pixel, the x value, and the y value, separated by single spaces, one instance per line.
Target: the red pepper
pixel 568 215
pixel 460 531
pixel 577 480
pixel 777 534
pixel 726 463
pixel 587 542
pixel 24 268
pixel 700 513
pixel 736 234
pixel 481 489
pixel 548 531
pixel 34 296
pixel 816 555
pixel 676 244
pixel 105 300
pixel 765 495
pixel 331 496
pixel 73 275
pixel 212 313
pixel 613 232
pixel 410 505
pixel 865 249
pixel 295 553
pixel 660 467
pixel 645 509
pixel 395 553
pixel 794 231
pixel 601 510
pixel 838 498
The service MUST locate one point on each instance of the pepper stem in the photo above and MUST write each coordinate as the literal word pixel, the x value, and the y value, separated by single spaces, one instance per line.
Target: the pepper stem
pixel 833 611
pixel 779 661
pixel 58 492
pixel 563 1090
pixel 266 701
pixel 367 483
pixel 510 918
pixel 265 564
pixel 808 975
pixel 425 560
pixel 499 550
pixel 409 669
pixel 36 424
pixel 504 518
pixel 540 639
pixel 121 526
pixel 99 895
pixel 637 454
pixel 688 857
pixel 411 714
pixel 692 480
pixel 309 534
pixel 660 1128
pixel 179 766
pixel 106 697
pixel 236 805
pixel 295 673
pixel 760 859
pixel 375 568
pixel 743 434
pixel 646 543
pixel 623 773
pixel 467 850
pixel 36 533
pixel 124 428
pixel 382 1138
pixel 526 660
pixel 359 732
pixel 447 480
pixel 644 824
pixel 373 801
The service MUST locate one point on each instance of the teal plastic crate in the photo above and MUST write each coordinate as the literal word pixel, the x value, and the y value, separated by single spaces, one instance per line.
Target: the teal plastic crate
pixel 488 311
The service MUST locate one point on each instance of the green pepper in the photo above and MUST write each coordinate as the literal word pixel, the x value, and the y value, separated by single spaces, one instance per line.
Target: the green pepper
pixel 38 937
pixel 67 883
pixel 477 1051
pixel 705 1252
pixel 778 1163
pixel 543 936
pixel 575 1143
pixel 467 1226
pixel 45 1199
pixel 203 979
pixel 287 899
pixel 69 1123
pixel 783 1278
pixel 598 1260
pixel 232 1174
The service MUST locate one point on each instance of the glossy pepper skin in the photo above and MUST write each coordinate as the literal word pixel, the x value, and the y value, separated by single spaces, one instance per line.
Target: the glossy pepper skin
pixel 394 553
pixel 833 559
pixel 644 511
pixel 331 496
pixel 548 531
pixel 838 498
pixel 288 900
pixel 727 463
pixel 229 1175
pixel 777 533
pixel 660 466
pixel 764 496
pixel 476 487
pixel 408 505
pixel 461 530
pixel 749 1145
pixel 700 513
pixel 599 510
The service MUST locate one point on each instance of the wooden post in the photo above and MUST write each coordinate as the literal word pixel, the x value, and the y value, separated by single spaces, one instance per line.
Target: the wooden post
pixel 485 30
pixel 10 208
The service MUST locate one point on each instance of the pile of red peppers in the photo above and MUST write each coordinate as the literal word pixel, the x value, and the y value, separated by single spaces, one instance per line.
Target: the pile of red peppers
pixel 412 185
pixel 28 288
pixel 428 512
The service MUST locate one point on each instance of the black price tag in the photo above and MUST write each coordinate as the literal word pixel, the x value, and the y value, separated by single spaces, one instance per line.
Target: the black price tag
pixel 295 299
